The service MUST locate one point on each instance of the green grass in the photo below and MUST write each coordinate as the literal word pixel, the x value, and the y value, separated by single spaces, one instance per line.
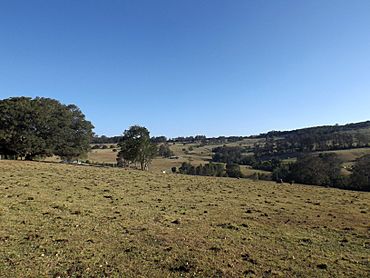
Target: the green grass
pixel 350 155
pixel 80 221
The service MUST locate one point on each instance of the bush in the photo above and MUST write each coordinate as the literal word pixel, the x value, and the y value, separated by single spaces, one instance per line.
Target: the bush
pixel 233 171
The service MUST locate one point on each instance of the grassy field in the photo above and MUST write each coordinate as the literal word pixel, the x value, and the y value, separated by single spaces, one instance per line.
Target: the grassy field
pixel 198 154
pixel 79 221
pixel 350 155
pixel 194 153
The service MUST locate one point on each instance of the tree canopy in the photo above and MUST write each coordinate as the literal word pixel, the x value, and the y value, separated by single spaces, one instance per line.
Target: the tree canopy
pixel 136 147
pixel 41 127
pixel 361 174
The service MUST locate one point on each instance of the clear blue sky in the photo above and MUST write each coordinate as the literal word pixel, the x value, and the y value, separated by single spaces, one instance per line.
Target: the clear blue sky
pixel 193 66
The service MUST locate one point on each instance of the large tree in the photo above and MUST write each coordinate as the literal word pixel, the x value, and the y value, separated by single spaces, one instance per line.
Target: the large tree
pixel 136 147
pixel 320 170
pixel 42 127
pixel 360 178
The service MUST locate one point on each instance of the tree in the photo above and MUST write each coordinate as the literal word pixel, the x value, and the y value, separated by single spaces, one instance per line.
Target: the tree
pixel 136 147
pixel 319 170
pixel 165 151
pixel 75 135
pixel 282 173
pixel 228 154
pixel 360 178
pixel 40 127
pixel 233 171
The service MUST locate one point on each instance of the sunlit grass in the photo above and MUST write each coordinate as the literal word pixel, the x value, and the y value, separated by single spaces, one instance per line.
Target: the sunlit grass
pixel 64 220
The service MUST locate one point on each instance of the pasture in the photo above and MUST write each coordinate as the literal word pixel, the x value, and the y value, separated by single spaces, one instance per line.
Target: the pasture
pixel 80 221
pixel 194 153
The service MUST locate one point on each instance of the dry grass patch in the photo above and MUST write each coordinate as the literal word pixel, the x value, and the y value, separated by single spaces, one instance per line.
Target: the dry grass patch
pixel 79 221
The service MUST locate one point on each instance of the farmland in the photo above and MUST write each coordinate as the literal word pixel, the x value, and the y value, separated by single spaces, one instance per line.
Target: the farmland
pixel 69 221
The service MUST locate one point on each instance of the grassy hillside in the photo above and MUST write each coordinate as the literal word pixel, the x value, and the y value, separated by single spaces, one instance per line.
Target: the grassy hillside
pixel 72 221
pixel 191 152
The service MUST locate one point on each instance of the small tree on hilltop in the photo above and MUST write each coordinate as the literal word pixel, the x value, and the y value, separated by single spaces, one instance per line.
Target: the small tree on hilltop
pixel 136 147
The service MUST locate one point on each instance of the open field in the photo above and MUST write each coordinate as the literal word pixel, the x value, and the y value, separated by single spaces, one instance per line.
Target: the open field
pixel 199 154
pixel 79 221
pixel 350 155
pixel 196 156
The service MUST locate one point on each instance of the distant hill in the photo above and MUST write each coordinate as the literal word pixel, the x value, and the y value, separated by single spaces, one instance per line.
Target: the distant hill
pixel 326 129
pixel 321 138
pixel 361 128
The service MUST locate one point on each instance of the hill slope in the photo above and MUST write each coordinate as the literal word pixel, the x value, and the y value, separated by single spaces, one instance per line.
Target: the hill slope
pixel 63 220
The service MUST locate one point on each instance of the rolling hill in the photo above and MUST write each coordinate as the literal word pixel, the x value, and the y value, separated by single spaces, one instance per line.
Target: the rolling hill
pixel 80 221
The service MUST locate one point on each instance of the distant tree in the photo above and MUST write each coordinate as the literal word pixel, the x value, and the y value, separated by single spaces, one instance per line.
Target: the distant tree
pixel 165 151
pixel 319 170
pixel 310 170
pixel 228 155
pixel 200 138
pixel 159 139
pixel 105 140
pixel 282 173
pixel 233 171
pixel 186 168
pixel 333 166
pixel 136 147
pixel 360 178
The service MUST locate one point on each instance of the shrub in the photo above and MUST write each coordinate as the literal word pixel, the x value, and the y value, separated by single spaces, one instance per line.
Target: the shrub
pixel 233 171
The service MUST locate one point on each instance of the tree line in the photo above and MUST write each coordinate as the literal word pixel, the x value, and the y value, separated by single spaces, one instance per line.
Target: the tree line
pixel 212 169
pixel 325 170
pixel 317 169
pixel 311 140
